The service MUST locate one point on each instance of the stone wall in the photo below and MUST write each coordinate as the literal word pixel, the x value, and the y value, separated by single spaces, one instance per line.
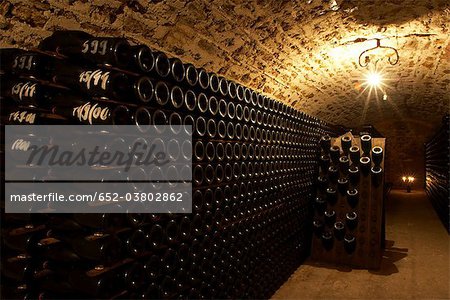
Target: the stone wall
pixel 303 53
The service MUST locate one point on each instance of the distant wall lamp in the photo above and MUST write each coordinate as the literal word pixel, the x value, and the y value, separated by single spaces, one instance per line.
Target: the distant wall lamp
pixel 364 59
pixel 408 181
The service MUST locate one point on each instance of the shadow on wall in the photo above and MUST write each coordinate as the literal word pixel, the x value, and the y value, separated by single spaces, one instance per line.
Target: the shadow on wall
pixel 405 150
pixel 384 12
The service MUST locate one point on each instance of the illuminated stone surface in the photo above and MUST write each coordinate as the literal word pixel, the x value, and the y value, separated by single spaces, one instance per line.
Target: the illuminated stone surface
pixel 287 49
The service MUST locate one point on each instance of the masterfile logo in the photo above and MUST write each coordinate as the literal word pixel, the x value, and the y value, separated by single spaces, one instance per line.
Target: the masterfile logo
pixel 77 152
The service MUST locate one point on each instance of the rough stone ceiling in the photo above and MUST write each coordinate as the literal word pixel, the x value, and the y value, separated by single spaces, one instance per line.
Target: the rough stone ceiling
pixel 300 52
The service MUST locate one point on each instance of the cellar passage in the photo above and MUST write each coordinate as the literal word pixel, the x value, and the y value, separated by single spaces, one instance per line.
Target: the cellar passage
pixel 265 84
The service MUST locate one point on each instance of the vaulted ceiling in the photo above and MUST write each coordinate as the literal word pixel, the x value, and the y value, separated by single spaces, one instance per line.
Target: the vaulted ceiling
pixel 304 52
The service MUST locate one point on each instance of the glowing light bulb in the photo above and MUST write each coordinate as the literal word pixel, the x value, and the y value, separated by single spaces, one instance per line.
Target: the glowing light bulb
pixel 373 79
pixel 404 178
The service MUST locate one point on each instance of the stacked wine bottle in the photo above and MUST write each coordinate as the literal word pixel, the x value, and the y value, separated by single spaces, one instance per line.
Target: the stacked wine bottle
pixel 437 171
pixel 348 216
pixel 254 170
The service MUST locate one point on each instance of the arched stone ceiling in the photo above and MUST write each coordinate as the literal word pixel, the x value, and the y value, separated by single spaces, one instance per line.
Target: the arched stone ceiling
pixel 303 53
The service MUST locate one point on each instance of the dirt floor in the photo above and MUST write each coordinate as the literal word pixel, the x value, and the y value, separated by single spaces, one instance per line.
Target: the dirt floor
pixel 415 263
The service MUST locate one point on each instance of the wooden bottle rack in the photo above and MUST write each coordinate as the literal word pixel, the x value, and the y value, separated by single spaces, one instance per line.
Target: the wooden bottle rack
pixel 366 251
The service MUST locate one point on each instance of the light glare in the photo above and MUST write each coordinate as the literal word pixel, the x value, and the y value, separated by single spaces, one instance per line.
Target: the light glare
pixel 373 79
pixel 408 178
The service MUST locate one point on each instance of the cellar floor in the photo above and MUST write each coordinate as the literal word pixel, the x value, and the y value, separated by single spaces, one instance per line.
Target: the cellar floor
pixel 415 263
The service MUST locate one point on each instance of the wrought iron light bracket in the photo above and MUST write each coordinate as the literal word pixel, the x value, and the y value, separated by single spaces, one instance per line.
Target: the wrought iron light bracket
pixel 364 63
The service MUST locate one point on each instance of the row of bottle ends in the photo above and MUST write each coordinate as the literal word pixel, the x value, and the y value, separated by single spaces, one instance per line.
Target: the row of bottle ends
pixel 118 54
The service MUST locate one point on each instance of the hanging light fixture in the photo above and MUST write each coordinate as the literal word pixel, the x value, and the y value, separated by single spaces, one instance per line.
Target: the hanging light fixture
pixel 374 79
pixel 364 58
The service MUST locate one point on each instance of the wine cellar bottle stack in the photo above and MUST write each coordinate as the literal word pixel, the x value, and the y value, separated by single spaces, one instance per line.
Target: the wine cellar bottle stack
pixel 437 171
pixel 348 208
pixel 254 171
